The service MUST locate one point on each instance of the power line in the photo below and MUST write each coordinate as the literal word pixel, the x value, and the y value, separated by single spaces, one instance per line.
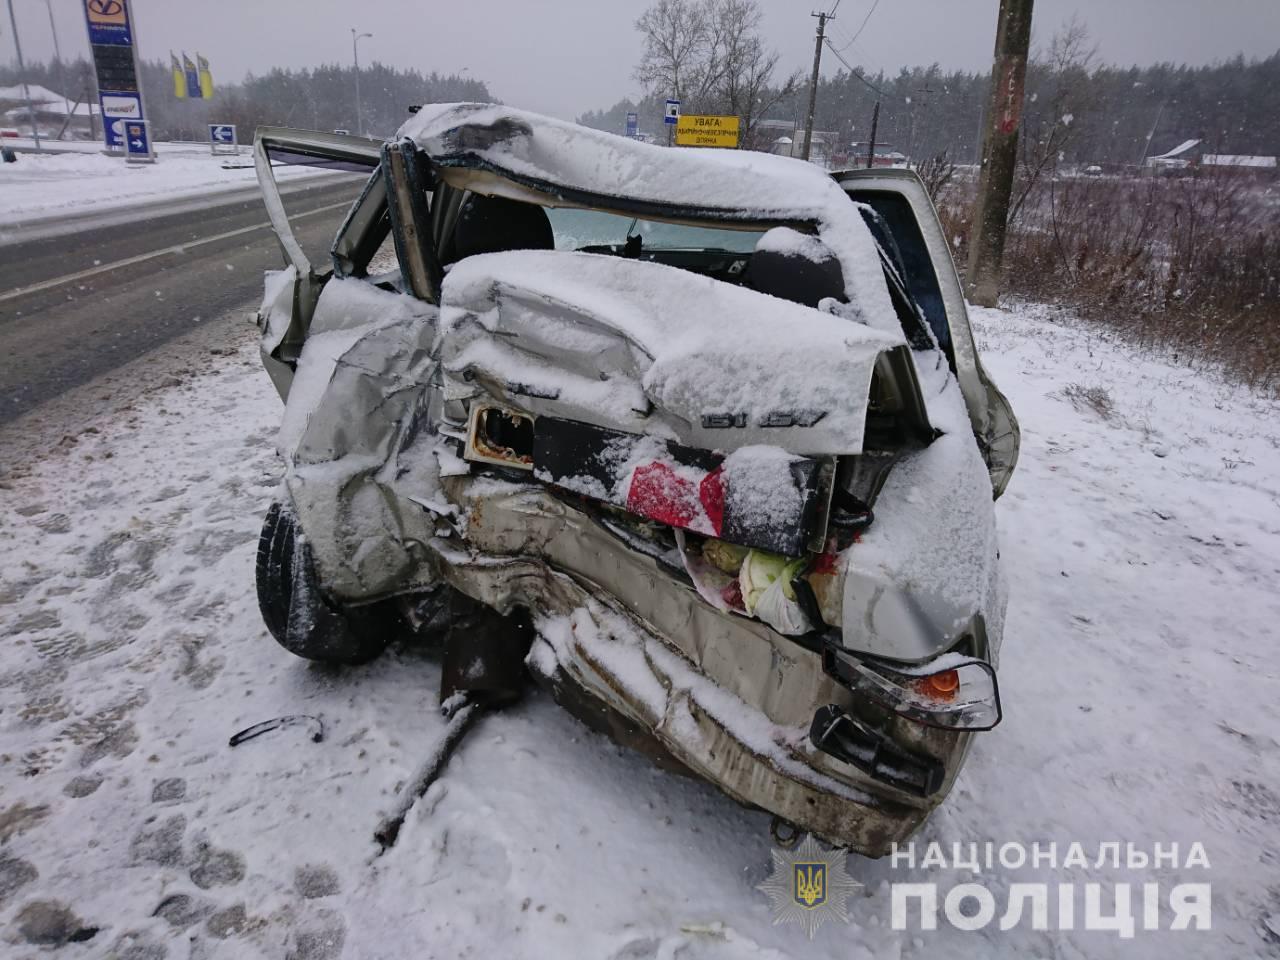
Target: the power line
pixel 854 71
pixel 861 26
pixel 832 12
pixel 845 43
pixel 865 57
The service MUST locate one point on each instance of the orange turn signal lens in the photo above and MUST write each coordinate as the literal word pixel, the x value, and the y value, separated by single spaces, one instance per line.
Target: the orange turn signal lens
pixel 940 686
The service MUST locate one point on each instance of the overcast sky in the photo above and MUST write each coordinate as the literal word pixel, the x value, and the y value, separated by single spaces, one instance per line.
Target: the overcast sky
pixel 567 56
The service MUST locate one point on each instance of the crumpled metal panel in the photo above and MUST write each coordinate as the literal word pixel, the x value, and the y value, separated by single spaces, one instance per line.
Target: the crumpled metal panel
pixel 356 406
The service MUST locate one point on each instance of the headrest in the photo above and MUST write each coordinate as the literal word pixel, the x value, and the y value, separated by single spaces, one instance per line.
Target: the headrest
pixel 796 266
pixel 494 224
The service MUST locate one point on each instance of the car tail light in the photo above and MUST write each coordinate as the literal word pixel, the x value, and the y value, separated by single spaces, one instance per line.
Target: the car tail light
pixel 954 691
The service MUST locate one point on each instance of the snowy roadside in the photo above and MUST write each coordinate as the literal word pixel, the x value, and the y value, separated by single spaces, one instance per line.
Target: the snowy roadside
pixel 1142 538
pixel 41 186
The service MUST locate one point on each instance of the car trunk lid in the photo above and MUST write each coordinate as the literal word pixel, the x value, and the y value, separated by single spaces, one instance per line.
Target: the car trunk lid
pixel 652 350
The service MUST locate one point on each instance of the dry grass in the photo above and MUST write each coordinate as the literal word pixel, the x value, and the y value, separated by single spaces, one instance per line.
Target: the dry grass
pixel 1097 399
pixel 1189 264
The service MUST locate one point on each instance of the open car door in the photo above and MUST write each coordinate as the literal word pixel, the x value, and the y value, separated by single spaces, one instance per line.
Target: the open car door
pixel 903 209
pixel 292 296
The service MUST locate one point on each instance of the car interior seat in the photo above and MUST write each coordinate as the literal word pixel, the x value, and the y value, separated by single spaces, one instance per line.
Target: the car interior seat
pixel 796 274
pixel 494 224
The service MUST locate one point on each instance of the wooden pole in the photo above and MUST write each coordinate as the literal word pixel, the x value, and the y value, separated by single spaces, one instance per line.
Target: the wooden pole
pixel 1000 152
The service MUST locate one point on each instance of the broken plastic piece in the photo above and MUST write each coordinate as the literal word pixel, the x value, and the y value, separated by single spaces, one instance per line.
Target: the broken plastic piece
pixel 848 739
pixel 266 726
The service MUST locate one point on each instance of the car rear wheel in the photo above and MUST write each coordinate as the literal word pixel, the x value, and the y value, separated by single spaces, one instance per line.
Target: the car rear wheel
pixel 297 613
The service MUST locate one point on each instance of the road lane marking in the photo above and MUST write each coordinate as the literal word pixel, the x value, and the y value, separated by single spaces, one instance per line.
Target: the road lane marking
pixel 144 257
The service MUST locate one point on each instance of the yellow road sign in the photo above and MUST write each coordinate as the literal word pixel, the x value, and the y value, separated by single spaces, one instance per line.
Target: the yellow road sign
pixel 696 131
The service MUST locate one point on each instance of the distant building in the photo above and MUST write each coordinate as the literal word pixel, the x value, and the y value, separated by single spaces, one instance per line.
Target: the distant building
pixel 51 112
pixel 1184 155
pixel 1239 162
pixel 786 139
pixel 1189 156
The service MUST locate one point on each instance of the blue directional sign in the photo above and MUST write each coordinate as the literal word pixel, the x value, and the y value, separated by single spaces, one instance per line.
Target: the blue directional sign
pixel 137 142
pixel 633 124
pixel 673 113
pixel 222 139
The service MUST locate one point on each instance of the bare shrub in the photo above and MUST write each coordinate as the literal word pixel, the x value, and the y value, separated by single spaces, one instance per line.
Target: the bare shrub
pixel 1190 264
pixel 937 172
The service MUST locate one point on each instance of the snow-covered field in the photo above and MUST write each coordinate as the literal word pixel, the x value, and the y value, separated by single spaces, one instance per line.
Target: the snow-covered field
pixel 1142 539
pixel 40 186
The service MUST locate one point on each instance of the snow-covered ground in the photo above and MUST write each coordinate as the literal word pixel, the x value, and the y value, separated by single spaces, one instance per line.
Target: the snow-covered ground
pixel 40 186
pixel 1142 538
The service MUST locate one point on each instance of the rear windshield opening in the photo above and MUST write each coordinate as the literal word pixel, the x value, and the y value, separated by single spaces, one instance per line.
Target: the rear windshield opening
pixel 593 229
pixel 781 261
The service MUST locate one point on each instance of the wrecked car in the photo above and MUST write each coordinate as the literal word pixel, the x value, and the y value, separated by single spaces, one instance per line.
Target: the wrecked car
pixel 698 439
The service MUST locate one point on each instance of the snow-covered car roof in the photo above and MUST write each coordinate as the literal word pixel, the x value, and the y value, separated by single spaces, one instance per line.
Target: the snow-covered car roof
pixel 561 158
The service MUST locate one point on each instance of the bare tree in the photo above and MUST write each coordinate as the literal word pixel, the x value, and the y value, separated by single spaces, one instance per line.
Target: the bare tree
pixel 1049 128
pixel 677 56
pixel 745 75
pixel 709 54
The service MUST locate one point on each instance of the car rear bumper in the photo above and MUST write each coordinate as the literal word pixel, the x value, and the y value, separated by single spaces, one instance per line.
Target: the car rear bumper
pixel 724 695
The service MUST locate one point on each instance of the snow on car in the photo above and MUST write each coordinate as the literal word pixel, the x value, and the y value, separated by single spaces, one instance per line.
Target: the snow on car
pixel 722 477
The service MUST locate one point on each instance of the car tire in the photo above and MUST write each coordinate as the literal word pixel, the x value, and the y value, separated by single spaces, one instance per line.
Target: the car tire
pixel 295 610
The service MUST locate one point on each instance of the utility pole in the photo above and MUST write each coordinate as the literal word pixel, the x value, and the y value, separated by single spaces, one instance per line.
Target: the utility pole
pixel 871 146
pixel 355 55
pixel 57 57
pixel 1000 152
pixel 22 70
pixel 1146 147
pixel 813 85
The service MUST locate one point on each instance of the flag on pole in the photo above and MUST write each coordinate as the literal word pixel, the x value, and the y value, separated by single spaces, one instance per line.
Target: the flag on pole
pixel 193 77
pixel 206 78
pixel 179 78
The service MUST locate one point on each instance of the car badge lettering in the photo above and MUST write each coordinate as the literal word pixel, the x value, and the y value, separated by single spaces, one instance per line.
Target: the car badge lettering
pixel 774 418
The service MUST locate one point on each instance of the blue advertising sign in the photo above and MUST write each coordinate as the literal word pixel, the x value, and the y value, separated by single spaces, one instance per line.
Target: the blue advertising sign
pixel 673 113
pixel 137 142
pixel 633 124
pixel 118 108
pixel 108 22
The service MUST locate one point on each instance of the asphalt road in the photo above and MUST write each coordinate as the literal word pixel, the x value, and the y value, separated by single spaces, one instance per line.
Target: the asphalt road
pixel 75 306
